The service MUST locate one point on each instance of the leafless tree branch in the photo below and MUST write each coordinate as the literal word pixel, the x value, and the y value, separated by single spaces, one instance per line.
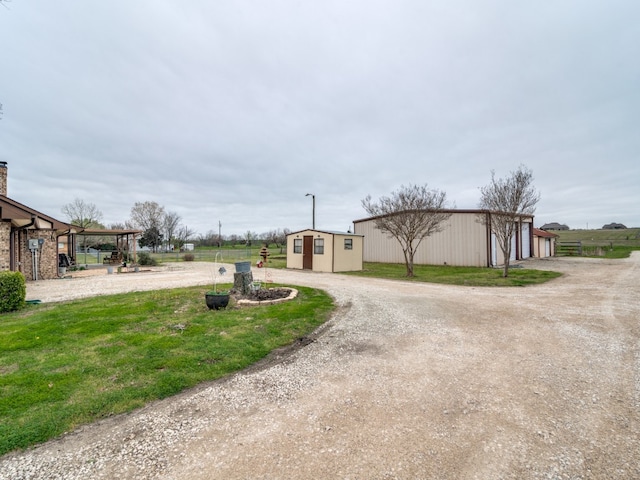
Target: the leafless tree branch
pixel 409 215
pixel 508 199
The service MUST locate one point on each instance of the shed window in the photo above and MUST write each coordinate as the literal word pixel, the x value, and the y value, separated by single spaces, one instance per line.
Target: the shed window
pixel 318 246
pixel 297 245
pixel 348 243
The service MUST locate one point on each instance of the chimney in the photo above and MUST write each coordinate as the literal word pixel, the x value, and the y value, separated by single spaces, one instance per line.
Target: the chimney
pixel 3 178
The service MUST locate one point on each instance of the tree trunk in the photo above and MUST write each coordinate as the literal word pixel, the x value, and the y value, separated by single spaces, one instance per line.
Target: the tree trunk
pixel 507 259
pixel 408 260
pixel 242 282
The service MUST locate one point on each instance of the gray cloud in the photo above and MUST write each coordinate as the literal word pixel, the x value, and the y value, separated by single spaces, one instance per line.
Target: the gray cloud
pixel 234 111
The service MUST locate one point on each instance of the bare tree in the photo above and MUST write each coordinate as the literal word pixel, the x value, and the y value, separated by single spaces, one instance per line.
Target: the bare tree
pixel 409 215
pixel 270 237
pixel 170 223
pixel 148 216
pixel 83 214
pixel 145 215
pixel 208 239
pixel 508 199
pixel 183 235
pixel 277 236
pixel 250 237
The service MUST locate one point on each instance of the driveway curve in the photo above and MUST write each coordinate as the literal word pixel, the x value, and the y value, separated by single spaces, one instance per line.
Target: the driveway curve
pixel 406 381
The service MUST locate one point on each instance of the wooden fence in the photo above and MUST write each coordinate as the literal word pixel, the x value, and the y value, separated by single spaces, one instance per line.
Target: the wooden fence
pixel 564 249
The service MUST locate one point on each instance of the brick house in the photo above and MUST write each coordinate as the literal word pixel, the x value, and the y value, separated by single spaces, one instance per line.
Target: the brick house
pixel 29 239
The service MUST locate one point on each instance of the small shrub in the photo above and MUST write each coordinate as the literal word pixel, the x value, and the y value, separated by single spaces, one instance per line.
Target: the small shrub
pixel 188 257
pixel 145 259
pixel 13 291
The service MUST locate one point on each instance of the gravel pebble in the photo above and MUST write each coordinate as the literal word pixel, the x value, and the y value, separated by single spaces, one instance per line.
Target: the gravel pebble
pixel 405 381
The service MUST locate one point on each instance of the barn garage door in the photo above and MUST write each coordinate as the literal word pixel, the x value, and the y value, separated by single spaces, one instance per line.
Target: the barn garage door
pixel 526 240
pixel 494 250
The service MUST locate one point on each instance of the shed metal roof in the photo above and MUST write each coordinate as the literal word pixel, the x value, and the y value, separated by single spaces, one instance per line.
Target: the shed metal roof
pixel 543 233
pixel 452 211
pixel 329 232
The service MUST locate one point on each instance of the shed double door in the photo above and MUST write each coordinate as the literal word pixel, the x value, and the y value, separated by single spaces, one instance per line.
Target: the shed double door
pixel 307 253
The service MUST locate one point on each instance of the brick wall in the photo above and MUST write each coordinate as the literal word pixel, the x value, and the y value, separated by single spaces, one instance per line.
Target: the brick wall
pixel 5 239
pixel 47 255
pixel 3 178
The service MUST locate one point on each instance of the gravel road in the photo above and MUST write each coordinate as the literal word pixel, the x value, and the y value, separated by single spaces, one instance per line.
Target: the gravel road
pixel 406 381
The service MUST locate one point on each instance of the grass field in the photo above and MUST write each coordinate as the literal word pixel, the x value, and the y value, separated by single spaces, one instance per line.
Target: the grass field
pixel 277 257
pixel 626 237
pixel 71 363
pixel 603 243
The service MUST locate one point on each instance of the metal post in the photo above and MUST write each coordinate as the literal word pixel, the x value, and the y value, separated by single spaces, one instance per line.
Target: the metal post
pixel 313 218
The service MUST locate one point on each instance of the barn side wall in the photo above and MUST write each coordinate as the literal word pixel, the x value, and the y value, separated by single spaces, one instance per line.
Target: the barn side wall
pixel 463 242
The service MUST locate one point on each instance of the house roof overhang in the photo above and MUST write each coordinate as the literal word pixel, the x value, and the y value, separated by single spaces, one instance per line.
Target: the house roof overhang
pixel 22 216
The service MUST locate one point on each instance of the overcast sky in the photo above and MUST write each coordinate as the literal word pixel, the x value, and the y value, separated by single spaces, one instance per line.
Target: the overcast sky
pixel 232 111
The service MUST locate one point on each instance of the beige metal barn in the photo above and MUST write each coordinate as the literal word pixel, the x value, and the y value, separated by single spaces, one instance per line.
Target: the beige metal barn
pixel 544 243
pixel 324 251
pixel 466 240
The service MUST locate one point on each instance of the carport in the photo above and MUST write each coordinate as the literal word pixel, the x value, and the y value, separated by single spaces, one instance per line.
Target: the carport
pixel 125 241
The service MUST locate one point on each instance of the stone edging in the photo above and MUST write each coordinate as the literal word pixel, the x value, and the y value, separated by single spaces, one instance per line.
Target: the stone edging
pixel 251 303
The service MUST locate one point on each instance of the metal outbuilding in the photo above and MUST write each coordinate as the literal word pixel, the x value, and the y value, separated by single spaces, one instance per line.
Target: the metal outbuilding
pixel 466 240
pixel 325 251
pixel 544 243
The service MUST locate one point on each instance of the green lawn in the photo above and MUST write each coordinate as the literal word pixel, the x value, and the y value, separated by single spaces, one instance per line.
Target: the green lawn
pixel 625 237
pixel 67 364
pixel 603 243
pixel 471 276
pixel 277 259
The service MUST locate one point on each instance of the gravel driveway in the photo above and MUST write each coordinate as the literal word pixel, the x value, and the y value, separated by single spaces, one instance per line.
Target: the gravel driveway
pixel 407 381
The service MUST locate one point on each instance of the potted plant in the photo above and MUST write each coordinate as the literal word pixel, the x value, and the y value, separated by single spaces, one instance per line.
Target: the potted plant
pixel 217 300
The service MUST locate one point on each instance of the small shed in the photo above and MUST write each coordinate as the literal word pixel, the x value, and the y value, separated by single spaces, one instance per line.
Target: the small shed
pixel 544 243
pixel 323 251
